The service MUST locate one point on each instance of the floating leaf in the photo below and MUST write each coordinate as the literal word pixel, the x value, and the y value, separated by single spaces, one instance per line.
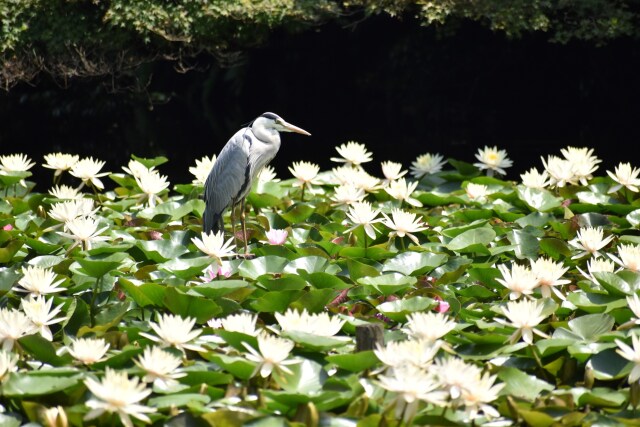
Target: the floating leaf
pixel 522 385
pixel 354 362
pixel 387 284
pixel 414 262
pixel 253 268
pixel 399 309
pixel 539 199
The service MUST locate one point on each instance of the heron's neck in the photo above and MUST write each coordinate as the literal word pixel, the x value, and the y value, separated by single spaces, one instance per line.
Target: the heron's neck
pixel 268 136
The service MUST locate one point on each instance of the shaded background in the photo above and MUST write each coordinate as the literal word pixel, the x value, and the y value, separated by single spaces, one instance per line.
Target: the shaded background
pixel 400 88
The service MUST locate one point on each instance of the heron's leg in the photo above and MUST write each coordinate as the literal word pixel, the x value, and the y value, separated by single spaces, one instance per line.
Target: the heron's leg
pixel 233 223
pixel 244 228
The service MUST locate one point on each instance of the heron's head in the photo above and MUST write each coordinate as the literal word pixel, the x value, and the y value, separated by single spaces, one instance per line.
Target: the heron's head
pixel 275 122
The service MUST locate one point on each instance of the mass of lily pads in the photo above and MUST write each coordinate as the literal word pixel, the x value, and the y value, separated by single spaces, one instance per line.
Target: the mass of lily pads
pixel 501 299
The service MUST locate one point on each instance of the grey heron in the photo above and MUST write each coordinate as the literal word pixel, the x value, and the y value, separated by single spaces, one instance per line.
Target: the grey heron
pixel 237 165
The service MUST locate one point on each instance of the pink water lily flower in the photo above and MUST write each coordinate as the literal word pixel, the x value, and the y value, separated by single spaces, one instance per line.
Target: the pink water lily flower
pixel 214 270
pixel 276 236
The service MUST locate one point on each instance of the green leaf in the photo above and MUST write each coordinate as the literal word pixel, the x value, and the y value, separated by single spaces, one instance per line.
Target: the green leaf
pixel 145 294
pixel 322 280
pixel 603 397
pixel 311 264
pixel 150 163
pixel 8 251
pixel 539 199
pixel 99 265
pixel 219 288
pixel 388 284
pixel 475 240
pixel 287 282
pixel 416 263
pixel 399 309
pixel 354 362
pixel 42 350
pixel 254 268
pixel 25 385
pixel 161 250
pixel 359 269
pixel 555 248
pixel 178 400
pixel 298 213
pixel 186 268
pixel 307 378
pixel 237 366
pixel 522 385
pixel 609 365
pixel 316 342
pixel 274 301
pixel 589 327
pixel 8 277
pixel 526 244
pixel 202 309
pixel 314 300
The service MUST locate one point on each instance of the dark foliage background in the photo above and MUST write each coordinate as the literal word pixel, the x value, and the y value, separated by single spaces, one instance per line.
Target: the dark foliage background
pixel 401 88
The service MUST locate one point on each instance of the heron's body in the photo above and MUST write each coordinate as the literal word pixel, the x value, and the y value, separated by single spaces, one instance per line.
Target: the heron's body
pixel 238 164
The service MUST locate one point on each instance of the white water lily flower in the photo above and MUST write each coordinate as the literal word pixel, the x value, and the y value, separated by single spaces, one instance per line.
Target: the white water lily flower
pixel 273 353
pixel 54 417
pixel 634 304
pixel 175 331
pixel 629 257
pixel 316 324
pixel 428 326
pixel 589 240
pixel 202 169
pixel 596 265
pixel 161 367
pixel 213 245
pixel 427 164
pixel 306 174
pixel 347 195
pixel 632 355
pixel 362 214
pixel 64 192
pixel 524 315
pixel 242 322
pixel 412 385
pixel 404 223
pixel 477 192
pixel 15 163
pixel 118 394
pixel 560 171
pixel 626 176
pixel 477 395
pixel 38 281
pixel 88 350
pixel 152 183
pixel 60 162
pixel 366 182
pixel 72 209
pixel 549 274
pixel 136 169
pixel 392 170
pixel 399 353
pixel 454 374
pixel 14 324
pixel 88 170
pixel 85 231
pixel 40 311
pixel 535 179
pixel 582 162
pixel 267 174
pixel 493 160
pixel 8 364
pixel 520 280
pixel 353 154
pixel 402 191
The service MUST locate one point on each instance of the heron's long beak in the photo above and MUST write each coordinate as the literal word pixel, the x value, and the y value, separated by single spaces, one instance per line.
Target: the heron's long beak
pixel 291 128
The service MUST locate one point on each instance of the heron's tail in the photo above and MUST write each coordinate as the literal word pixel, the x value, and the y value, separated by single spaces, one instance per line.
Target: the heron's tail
pixel 212 222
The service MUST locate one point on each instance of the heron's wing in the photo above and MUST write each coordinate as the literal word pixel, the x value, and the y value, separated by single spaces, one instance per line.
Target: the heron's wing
pixel 229 175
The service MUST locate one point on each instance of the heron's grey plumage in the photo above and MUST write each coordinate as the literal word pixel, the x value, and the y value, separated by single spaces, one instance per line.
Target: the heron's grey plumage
pixel 238 165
